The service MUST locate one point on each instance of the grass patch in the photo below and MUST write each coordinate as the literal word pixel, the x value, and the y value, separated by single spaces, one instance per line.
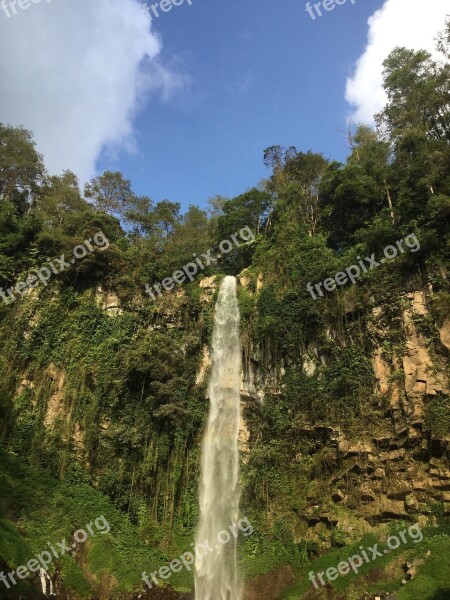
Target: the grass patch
pixel 385 573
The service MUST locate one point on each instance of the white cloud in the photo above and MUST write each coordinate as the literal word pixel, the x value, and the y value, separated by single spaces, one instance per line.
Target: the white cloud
pixel 413 24
pixel 75 73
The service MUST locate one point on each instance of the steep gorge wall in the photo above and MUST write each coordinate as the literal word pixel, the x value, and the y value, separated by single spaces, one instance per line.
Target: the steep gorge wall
pixel 108 388
pixel 391 464
pixel 324 480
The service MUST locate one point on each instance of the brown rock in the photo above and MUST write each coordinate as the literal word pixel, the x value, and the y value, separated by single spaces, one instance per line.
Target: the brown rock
pixel 417 363
pixel 382 371
pixel 444 334
pixel 108 301
pixel 259 282
pixel 395 455
pixel 383 510
pixel 337 496
pixel 411 503
pixel 355 449
pixel 398 492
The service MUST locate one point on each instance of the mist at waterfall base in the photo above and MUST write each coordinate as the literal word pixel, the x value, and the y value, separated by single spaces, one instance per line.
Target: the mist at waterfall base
pixel 216 574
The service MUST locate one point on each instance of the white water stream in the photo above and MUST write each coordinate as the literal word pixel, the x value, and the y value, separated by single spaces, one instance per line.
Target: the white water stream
pixel 216 573
pixel 44 577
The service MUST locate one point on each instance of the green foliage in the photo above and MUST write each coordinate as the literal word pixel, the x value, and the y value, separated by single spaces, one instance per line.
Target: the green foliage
pixel 349 382
pixel 110 192
pixel 437 416
pixel 246 304
pixel 246 211
pixel 51 511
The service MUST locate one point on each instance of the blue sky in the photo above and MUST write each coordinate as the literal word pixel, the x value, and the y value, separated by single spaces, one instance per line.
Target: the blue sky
pixel 185 107
pixel 262 72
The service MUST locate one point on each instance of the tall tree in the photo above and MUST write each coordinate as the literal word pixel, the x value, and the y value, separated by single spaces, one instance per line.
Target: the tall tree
pixel 110 193
pixel 374 155
pixel 418 90
pixel 21 167
pixel 249 209
pixel 166 216
pixel 140 215
pixel 294 183
pixel 303 175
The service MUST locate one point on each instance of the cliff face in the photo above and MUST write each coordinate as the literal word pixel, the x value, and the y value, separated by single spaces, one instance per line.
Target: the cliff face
pixel 392 463
pixel 314 475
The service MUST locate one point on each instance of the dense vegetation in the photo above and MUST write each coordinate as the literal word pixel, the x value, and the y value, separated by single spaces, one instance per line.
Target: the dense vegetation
pixel 102 414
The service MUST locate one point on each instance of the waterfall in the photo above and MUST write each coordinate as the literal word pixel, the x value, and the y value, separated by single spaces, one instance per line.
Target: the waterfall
pixel 216 573
pixel 44 577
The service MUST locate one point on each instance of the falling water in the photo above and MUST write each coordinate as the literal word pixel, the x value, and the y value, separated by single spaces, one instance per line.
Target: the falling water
pixel 216 574
pixel 44 577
